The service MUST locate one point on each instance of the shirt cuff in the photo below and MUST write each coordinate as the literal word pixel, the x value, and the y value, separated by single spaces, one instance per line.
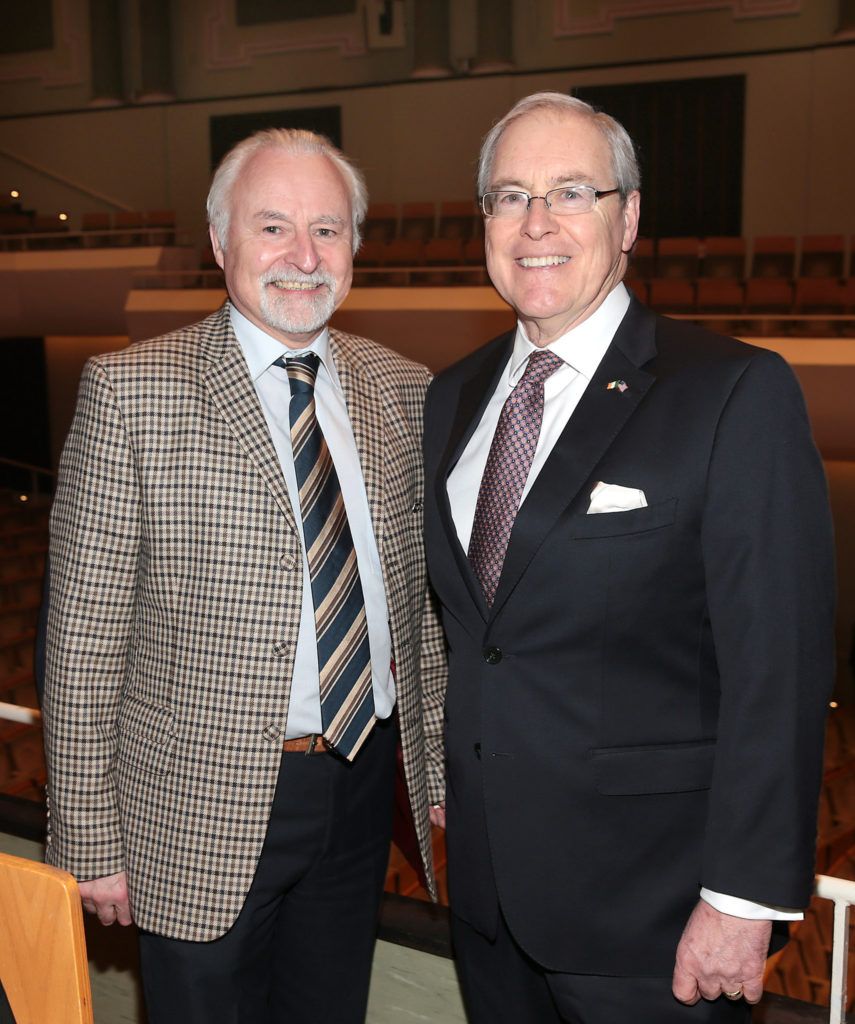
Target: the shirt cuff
pixel 738 907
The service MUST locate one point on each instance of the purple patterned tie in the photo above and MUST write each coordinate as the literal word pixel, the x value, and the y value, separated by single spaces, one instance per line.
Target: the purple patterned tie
pixel 507 470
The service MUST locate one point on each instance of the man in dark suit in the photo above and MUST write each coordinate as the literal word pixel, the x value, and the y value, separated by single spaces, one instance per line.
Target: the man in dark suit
pixel 627 528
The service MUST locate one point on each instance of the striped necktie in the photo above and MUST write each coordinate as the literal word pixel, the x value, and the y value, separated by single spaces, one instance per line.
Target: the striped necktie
pixel 344 660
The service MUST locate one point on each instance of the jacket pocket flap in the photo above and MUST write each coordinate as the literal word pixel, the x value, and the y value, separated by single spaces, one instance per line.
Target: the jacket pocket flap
pixel 677 768
pixel 146 735
pixel 616 524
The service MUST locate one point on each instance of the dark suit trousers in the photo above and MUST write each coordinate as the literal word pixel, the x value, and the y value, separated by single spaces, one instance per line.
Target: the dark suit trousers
pixel 301 949
pixel 501 985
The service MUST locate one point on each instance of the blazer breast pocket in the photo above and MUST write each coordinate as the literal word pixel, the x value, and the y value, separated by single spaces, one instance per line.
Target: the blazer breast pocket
pixel 670 768
pixel 146 735
pixel 618 524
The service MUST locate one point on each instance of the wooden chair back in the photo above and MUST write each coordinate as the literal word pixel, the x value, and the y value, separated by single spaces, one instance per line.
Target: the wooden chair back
pixel 43 963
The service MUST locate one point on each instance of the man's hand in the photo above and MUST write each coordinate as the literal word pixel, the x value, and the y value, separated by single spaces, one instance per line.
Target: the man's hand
pixel 437 815
pixel 108 898
pixel 720 955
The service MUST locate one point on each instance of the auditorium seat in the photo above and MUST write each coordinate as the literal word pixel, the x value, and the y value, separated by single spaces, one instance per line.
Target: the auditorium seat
pixel 671 295
pixel 130 222
pixel 18 687
pixel 402 254
pixel 821 256
pixel 23 542
pixel 820 295
pixel 474 256
pixel 473 251
pixel 442 252
pixel 677 258
pixel 638 287
pixel 370 255
pixel 459 220
pixel 847 327
pixel 50 225
pixel 95 225
pixel 13 223
pixel 381 222
pixel 773 256
pixel 642 259
pixel 719 295
pixel 417 221
pixel 160 225
pixel 768 295
pixel 723 256
pixel 15 616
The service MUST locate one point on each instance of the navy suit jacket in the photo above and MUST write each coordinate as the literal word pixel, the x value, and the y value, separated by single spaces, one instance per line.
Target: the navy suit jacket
pixel 640 713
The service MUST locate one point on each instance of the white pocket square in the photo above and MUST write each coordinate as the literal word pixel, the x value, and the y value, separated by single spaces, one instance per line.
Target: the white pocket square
pixel 614 498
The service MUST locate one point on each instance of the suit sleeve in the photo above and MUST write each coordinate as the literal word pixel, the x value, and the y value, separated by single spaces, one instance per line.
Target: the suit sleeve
pixel 768 558
pixel 95 539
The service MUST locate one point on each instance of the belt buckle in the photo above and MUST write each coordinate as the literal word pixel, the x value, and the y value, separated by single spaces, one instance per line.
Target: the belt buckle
pixel 313 742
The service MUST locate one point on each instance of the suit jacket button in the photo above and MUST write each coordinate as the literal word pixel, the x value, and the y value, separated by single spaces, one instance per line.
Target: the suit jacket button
pixel 287 561
pixel 492 655
pixel 271 732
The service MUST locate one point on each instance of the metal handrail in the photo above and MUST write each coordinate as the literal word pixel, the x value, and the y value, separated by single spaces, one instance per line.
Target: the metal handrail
pixel 842 892
pixel 18 713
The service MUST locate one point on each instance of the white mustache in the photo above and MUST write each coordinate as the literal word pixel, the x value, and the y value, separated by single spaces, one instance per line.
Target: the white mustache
pixel 313 280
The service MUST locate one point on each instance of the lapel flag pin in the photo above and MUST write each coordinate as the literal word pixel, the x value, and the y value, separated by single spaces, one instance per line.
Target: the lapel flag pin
pixel 621 385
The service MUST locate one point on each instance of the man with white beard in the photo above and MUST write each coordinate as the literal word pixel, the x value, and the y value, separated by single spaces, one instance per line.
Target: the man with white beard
pixel 237 609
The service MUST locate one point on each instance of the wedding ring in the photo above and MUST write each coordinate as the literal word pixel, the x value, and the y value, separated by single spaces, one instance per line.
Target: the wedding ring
pixel 734 995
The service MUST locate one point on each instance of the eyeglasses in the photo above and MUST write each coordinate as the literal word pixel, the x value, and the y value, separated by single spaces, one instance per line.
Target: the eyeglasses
pixel 563 202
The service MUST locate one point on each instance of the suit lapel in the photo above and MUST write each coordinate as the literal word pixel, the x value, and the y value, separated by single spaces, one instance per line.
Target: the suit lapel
pixel 475 394
pixel 232 393
pixel 365 408
pixel 597 420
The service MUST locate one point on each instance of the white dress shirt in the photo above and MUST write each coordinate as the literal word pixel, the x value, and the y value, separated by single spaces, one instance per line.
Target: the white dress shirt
pixel 581 349
pixel 273 388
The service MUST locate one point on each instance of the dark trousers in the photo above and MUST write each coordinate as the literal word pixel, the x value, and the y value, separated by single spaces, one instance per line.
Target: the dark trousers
pixel 301 949
pixel 501 985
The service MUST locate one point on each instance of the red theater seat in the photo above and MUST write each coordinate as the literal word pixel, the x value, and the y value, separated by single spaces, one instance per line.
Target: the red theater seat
pixel 724 256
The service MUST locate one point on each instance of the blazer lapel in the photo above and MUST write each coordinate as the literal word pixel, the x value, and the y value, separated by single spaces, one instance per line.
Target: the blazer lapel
pixel 365 408
pixel 597 420
pixel 475 394
pixel 227 379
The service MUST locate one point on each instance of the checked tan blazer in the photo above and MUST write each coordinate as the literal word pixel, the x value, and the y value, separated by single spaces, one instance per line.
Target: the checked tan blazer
pixel 175 604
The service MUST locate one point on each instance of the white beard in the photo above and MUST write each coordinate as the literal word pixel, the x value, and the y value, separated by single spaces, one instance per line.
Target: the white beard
pixel 312 313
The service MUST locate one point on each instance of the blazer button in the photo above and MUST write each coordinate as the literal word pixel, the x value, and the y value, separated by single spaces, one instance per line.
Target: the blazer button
pixel 492 655
pixel 271 732
pixel 287 561
pixel 280 648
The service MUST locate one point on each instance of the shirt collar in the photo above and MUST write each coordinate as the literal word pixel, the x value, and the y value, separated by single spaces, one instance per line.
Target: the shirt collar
pixel 584 345
pixel 260 350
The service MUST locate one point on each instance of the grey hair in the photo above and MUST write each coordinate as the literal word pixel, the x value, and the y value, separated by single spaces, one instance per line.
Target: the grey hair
pixel 294 141
pixel 624 158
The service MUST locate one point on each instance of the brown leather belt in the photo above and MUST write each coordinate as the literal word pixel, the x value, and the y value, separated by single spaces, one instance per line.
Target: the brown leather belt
pixel 314 743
